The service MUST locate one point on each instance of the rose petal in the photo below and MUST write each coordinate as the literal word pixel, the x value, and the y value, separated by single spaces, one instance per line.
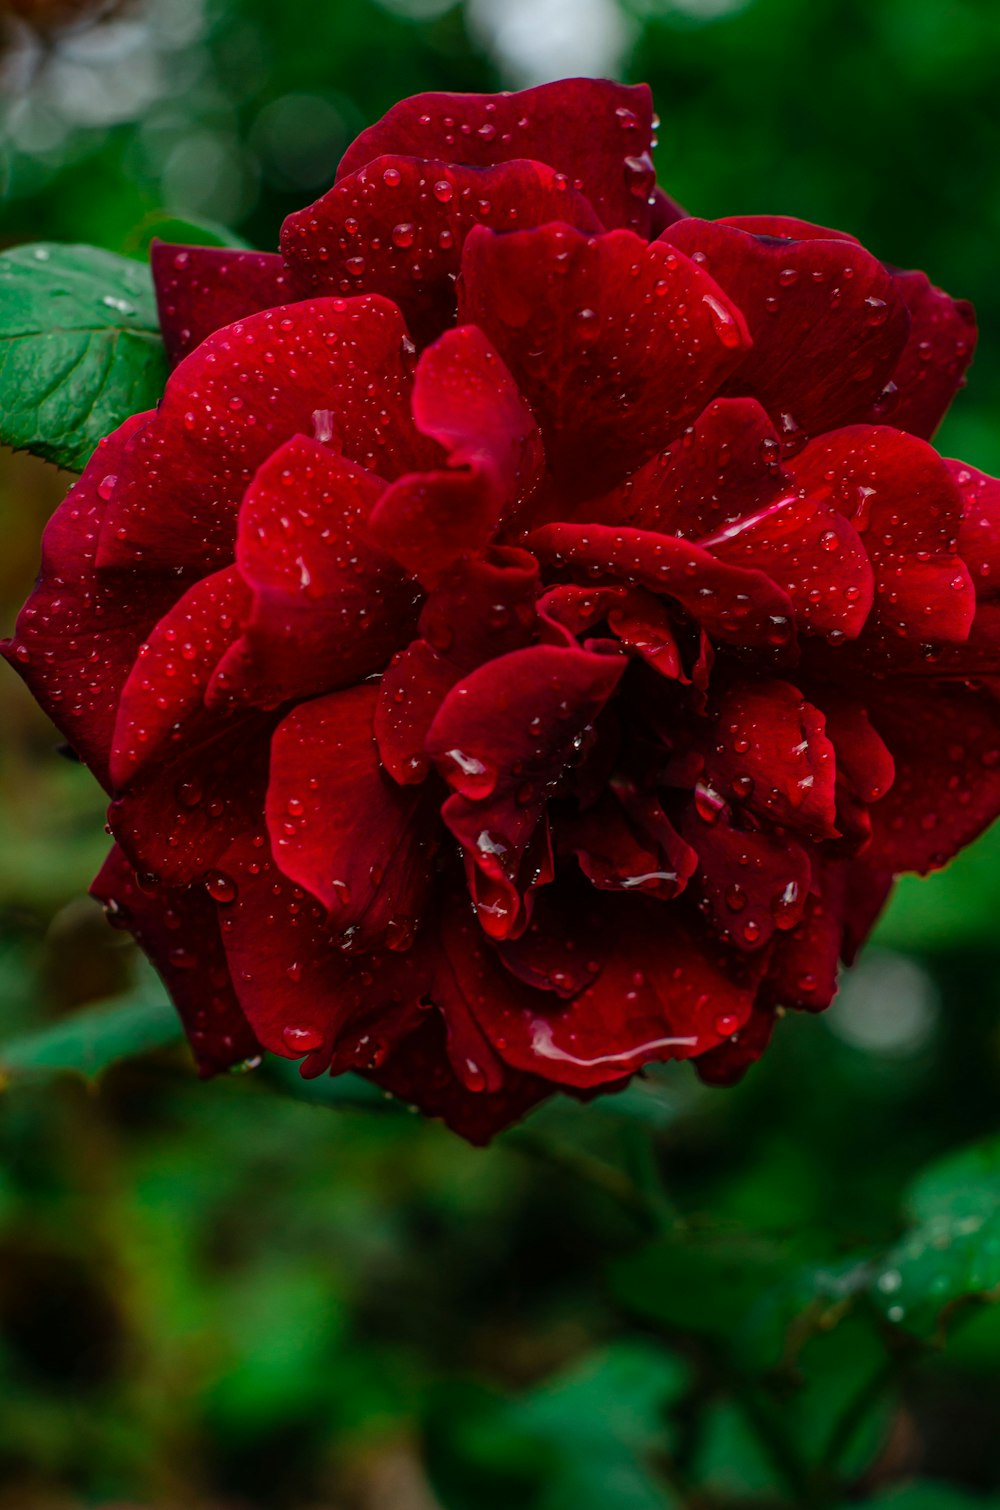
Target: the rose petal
pixel 336 367
pixel 596 327
pixel 979 532
pixel 77 636
pixel 748 883
pixel 359 843
pixel 162 707
pixel 421 1073
pixel 397 227
pixel 945 742
pixel 659 995
pixel 327 607
pixel 618 853
pixel 724 467
pixel 899 496
pixel 769 751
pixel 504 738
pixel 199 289
pixel 465 399
pixel 811 550
pixel 932 367
pixel 735 604
pixel 827 324
pixel 179 931
pixel 177 819
pixel 596 132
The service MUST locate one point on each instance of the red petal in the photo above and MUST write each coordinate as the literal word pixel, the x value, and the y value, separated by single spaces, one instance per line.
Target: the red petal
pixel 177 820
pixel 814 553
pixel 659 995
pixel 483 607
pixel 301 993
pixel 339 367
pixel 340 827
pixel 785 228
pixel 466 400
pixel 741 606
pixel 729 1062
pixel 327 607
pixel 827 324
pixel 932 367
pixel 748 883
pixel 411 690
pixel 770 752
pixel 162 702
pixel 979 533
pixel 945 742
pixel 397 228
pixel 77 636
pixel 179 931
pixel 596 132
pixel 504 738
pixel 899 496
pixel 420 1072
pixel 199 289
pixel 725 466
pixel 596 327
pixel 617 854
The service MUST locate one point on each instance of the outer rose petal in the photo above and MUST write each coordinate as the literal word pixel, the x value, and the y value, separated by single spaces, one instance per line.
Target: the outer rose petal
pixel 327 606
pixel 979 532
pixel 505 738
pixel 77 636
pixel 397 227
pixel 931 369
pixel 659 995
pixel 179 930
pixel 420 1072
pixel 729 1062
pixel 162 708
pixel 596 132
pixel 899 496
pixel 814 553
pixel 298 989
pixel 740 606
pixel 466 400
pixel 199 289
pixel 945 742
pixel 339 367
pixel 827 324
pixel 178 818
pixel 340 827
pixel 724 467
pixel 593 327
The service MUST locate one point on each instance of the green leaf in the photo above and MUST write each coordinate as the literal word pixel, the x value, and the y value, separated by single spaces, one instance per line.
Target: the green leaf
pixel 89 1040
pixel 80 348
pixel 160 225
pixel 928 1494
pixel 951 1254
pixel 585 1440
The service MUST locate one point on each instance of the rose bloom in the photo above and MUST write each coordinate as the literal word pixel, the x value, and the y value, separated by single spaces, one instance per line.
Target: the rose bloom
pixel 533 629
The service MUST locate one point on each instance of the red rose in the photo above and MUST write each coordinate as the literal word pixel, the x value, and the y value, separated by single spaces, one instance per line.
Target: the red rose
pixel 533 629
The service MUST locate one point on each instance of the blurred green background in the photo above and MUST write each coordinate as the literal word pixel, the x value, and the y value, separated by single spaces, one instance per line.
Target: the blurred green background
pixel 224 1297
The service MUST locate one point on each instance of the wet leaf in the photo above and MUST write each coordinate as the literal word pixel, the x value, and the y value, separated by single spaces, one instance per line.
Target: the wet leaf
pixel 951 1254
pixel 91 1039
pixel 80 348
